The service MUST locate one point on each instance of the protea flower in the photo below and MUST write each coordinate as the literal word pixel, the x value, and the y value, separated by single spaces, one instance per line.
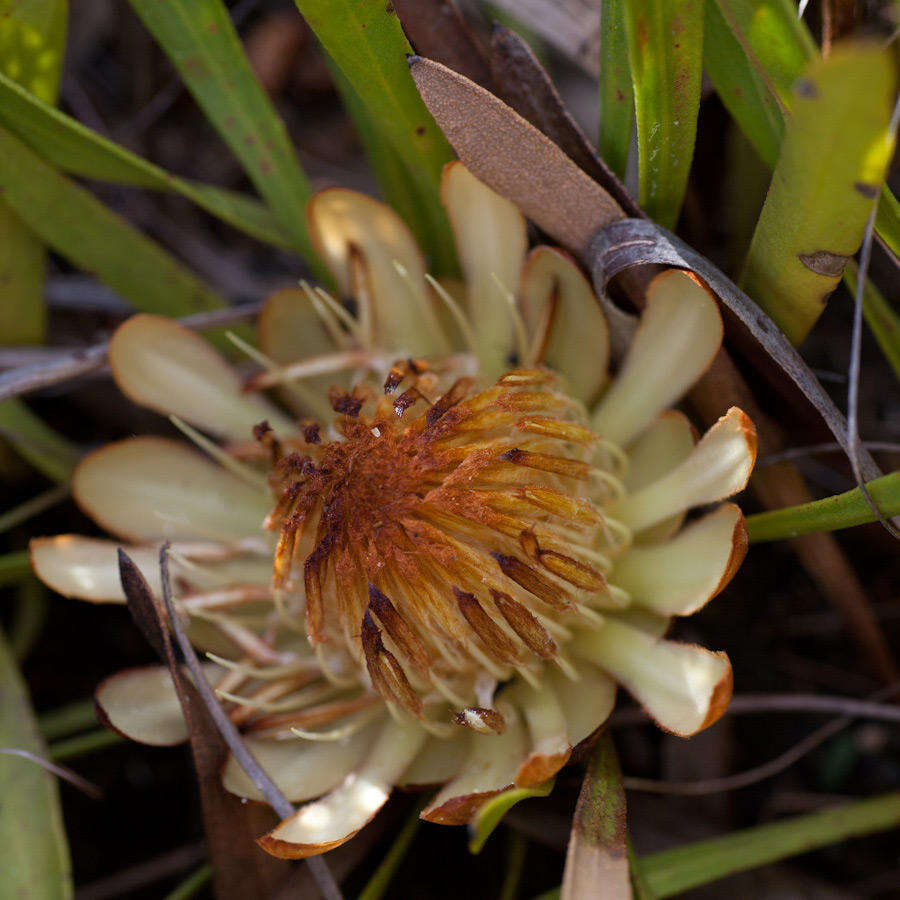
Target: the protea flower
pixel 439 573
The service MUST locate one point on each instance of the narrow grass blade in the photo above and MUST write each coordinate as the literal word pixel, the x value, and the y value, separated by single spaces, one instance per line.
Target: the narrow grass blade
pixel 14 567
pixel 31 612
pixel 32 44
pixel 82 744
pixel 365 40
pixel 492 812
pixel 199 38
pixel 671 872
pixel 616 93
pixel 665 39
pixel 50 453
pixel 93 238
pixel 742 85
pixel 831 165
pixel 753 53
pixel 33 507
pixel 69 719
pixel 674 871
pixel 34 855
pixel 835 512
pixel 192 885
pixel 597 855
pixel 397 186
pixel 67 144
pixel 880 316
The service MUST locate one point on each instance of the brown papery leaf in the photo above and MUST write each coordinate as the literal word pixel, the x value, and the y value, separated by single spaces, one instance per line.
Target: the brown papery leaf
pixel 240 868
pixel 511 156
pixel 437 29
pixel 597 858
pixel 525 85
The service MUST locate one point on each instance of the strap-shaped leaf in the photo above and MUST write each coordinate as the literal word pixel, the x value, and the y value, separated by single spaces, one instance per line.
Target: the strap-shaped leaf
pixel 79 227
pixel 366 42
pixel 665 39
pixel 74 148
pixel 199 38
pixel 32 43
pixel 34 855
pixel 616 93
pixel 831 166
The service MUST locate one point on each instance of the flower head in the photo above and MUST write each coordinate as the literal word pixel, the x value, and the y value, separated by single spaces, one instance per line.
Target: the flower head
pixel 438 575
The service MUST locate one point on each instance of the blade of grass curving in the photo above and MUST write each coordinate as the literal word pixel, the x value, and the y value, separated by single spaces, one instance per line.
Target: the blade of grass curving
pixel 366 42
pixel 597 853
pixel 34 855
pixel 200 40
pixel 192 885
pixel 67 144
pixel 397 187
pixel 491 813
pixel 616 92
pixel 32 44
pixel 887 221
pixel 92 237
pixel 672 872
pixel 665 43
pixel 83 744
pixel 50 453
pixel 880 316
pixel 830 514
pixel 831 165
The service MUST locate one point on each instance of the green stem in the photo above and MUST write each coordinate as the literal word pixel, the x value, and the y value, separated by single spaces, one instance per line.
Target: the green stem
pixel 672 872
pixel 378 883
pixel 50 453
pixel 192 884
pixel 880 316
pixel 29 619
pixel 840 511
pixel 33 507
pixel 68 719
pixel 515 862
pixel 14 567
pixel 84 743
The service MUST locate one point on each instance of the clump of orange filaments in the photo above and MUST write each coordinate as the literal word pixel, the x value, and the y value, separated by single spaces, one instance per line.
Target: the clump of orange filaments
pixel 445 537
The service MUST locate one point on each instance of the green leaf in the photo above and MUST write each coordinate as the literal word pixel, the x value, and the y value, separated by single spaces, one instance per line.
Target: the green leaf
pixel 32 44
pixel 70 146
pixel 880 316
pixel 397 186
pixel 887 221
pixel 493 810
pixel 671 872
pixel 831 164
pixel 95 239
pixel 200 40
pixel 838 511
pixel 50 453
pixel 741 86
pixel 597 851
pixel 753 53
pixel 14 567
pixel 616 92
pixel 365 40
pixel 665 39
pixel 34 855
